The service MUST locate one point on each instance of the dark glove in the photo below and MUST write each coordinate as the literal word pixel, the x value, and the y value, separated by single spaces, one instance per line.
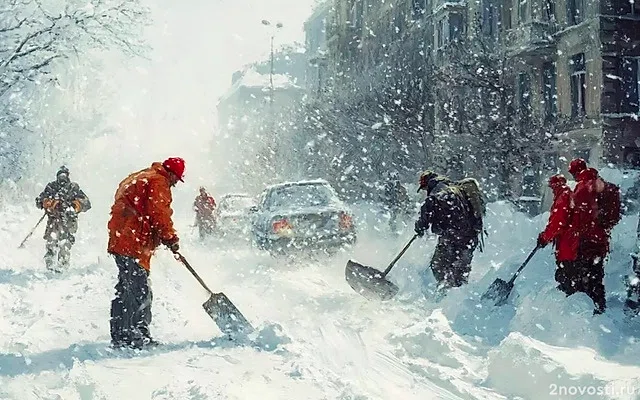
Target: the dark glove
pixel 172 244
pixel 541 242
pixel 420 229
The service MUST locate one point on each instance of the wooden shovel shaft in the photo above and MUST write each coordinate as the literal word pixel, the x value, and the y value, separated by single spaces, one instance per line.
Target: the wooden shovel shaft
pixel 395 260
pixel 193 272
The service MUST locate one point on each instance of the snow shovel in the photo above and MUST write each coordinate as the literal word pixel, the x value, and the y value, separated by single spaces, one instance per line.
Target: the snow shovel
pixel 500 290
pixel 225 314
pixel 32 230
pixel 370 282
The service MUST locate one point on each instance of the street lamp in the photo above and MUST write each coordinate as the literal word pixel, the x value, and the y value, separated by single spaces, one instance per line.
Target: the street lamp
pixel 273 34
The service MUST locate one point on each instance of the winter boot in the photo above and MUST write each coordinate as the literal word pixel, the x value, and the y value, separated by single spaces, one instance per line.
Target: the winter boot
pixel 63 257
pixel 50 259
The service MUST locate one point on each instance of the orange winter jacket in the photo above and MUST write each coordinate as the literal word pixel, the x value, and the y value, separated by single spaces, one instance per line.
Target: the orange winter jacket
pixel 141 215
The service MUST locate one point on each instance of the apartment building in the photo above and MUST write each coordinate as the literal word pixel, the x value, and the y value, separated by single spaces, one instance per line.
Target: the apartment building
pixel 572 64
pixel 580 58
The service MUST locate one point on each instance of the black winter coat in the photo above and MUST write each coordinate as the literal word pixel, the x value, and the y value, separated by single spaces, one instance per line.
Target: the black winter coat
pixel 447 211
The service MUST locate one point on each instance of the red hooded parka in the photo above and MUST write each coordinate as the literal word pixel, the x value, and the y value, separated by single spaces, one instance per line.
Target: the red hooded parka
pixel 593 238
pixel 559 229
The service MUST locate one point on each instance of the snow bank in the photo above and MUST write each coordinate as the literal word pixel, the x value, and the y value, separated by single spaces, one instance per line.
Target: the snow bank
pixel 522 365
pixel 539 341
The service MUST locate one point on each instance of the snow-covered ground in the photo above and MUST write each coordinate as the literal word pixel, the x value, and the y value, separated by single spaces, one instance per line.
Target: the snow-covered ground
pixel 318 339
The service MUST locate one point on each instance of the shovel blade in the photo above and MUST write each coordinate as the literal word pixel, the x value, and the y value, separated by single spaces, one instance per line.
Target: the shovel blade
pixel 498 292
pixel 369 282
pixel 226 315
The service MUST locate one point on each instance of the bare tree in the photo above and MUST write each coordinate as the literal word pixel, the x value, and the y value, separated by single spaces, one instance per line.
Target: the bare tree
pixel 34 34
pixel 39 37
pixel 484 114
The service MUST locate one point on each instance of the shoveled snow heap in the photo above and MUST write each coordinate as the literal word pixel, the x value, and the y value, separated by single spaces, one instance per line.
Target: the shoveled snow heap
pixel 318 339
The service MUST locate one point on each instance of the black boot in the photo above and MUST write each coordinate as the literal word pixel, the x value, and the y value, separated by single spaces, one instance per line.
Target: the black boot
pixel 50 260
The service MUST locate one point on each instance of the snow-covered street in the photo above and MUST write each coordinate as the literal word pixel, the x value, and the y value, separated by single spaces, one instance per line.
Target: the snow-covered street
pixel 396 104
pixel 318 339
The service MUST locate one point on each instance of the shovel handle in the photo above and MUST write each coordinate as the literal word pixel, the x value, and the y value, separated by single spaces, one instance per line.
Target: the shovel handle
pixel 524 264
pixel 32 230
pixel 184 261
pixel 395 260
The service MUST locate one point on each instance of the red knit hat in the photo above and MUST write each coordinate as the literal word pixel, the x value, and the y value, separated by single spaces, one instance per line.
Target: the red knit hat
pixel 577 165
pixel 175 165
pixel 557 180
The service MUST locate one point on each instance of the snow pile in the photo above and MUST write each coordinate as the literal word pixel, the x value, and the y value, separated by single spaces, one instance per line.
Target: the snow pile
pixel 541 341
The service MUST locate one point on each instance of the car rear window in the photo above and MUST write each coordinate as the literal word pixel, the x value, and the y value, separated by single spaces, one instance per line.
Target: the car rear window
pixel 301 196
pixel 236 203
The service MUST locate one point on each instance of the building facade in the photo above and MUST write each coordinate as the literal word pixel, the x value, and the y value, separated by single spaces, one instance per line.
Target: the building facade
pixel 315 29
pixel 569 68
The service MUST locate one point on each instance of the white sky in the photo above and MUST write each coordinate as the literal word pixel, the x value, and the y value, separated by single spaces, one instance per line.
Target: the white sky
pixel 166 106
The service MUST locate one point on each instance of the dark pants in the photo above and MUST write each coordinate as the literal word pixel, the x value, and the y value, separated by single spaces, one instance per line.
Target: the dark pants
pixel 206 225
pixel 131 308
pixel 451 262
pixel 584 276
pixel 60 237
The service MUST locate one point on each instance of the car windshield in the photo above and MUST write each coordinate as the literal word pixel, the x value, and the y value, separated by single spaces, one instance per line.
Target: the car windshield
pixel 301 196
pixel 236 203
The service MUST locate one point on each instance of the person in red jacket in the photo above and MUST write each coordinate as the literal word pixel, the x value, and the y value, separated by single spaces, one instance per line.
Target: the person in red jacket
pixel 141 220
pixel 560 232
pixel 594 242
pixel 204 205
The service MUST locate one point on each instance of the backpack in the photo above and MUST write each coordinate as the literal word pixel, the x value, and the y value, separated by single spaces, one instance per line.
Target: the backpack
pixel 609 206
pixel 471 191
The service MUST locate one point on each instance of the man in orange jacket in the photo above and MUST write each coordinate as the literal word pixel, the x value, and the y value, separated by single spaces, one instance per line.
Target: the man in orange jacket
pixel 140 222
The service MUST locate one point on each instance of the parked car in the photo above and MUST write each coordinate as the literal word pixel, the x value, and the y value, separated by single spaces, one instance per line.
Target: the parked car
pixel 232 216
pixel 302 215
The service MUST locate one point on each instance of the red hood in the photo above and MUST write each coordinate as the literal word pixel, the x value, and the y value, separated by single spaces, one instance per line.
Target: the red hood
pixel 587 175
pixel 560 189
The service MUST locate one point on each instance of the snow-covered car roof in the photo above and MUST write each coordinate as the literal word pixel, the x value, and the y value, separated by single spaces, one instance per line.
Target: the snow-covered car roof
pixel 229 195
pixel 298 183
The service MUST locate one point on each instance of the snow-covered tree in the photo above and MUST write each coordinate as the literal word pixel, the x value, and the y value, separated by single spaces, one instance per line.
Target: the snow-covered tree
pixel 41 39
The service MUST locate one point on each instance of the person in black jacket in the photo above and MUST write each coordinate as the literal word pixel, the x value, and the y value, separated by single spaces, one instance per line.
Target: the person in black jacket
pixel 62 200
pixel 450 216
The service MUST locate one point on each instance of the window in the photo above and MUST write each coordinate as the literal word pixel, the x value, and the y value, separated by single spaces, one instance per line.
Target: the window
pixel 630 85
pixel 631 157
pixel 419 8
pixel 626 7
pixel 523 11
pixel 578 85
pixel 455 27
pixel 507 16
pixel 440 33
pixel 355 14
pixel 549 10
pixel 585 154
pixel 575 11
pixel 549 94
pixel 524 95
pixel 490 19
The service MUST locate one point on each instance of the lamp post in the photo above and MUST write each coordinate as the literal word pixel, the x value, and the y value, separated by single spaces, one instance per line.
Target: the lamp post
pixel 273 34
pixel 272 119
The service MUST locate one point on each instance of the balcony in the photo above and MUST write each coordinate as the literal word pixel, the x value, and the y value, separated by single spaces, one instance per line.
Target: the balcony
pixel 533 39
pixel 442 6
